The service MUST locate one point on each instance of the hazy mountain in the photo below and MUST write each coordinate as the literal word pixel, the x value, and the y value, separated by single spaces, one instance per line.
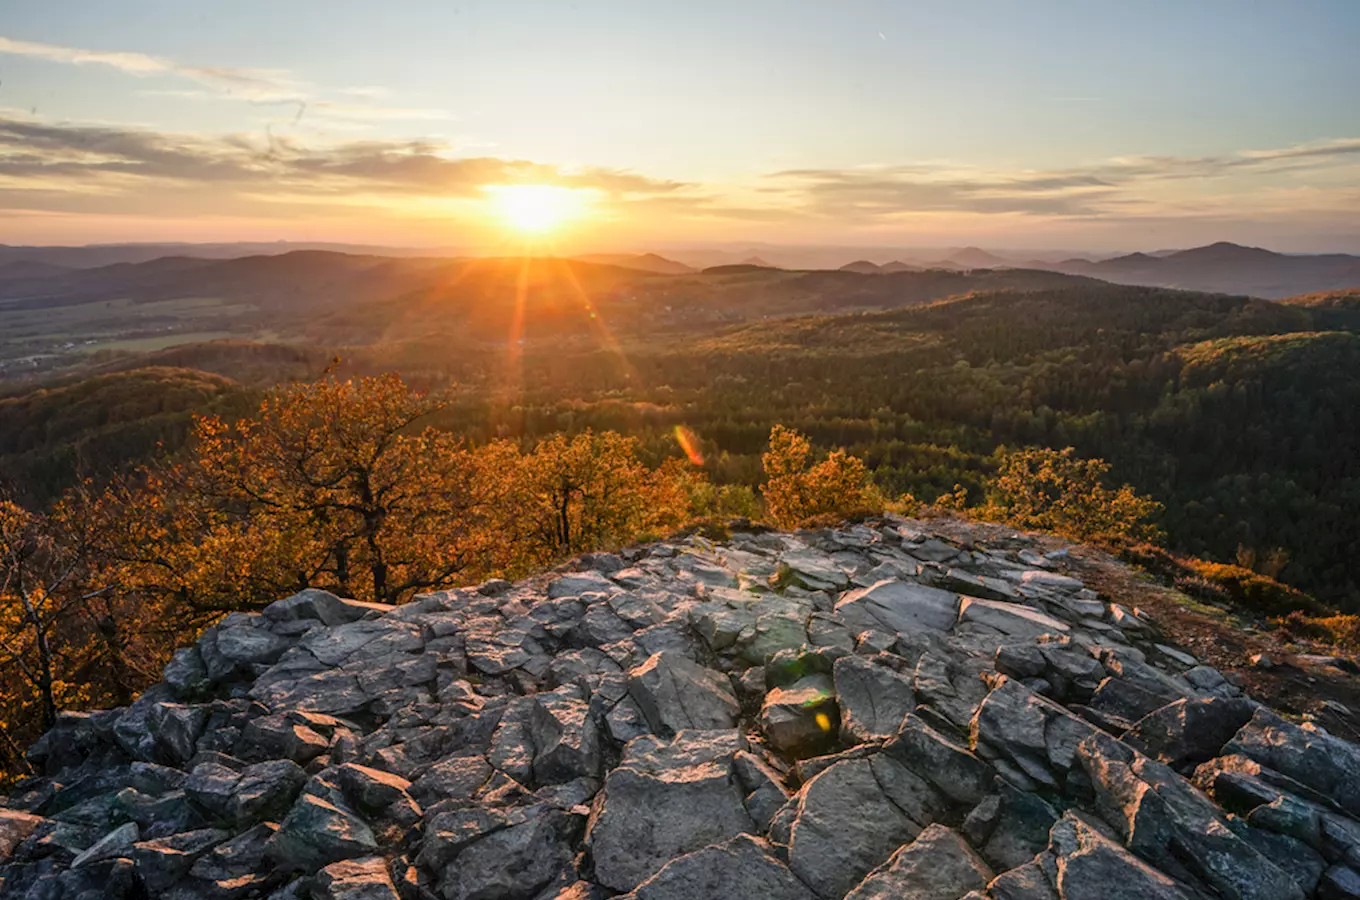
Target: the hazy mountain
pixel 643 262
pixel 862 266
pixel 1228 268
pixel 94 255
pixel 975 258
pixel 897 265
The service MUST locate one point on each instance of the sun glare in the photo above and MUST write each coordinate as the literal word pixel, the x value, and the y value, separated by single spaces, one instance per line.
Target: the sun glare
pixel 535 208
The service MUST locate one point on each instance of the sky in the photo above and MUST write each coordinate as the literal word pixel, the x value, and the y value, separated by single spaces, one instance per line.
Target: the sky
pixel 634 124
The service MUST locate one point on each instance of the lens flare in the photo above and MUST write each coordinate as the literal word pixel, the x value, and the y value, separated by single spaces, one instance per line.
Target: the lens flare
pixel 689 442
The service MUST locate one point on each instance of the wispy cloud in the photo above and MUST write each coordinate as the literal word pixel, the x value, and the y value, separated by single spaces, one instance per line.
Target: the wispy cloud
pixel 887 192
pixel 35 149
pixel 259 86
pixel 250 83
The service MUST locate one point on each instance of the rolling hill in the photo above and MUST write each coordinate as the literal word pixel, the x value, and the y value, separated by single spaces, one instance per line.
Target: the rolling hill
pixel 1228 268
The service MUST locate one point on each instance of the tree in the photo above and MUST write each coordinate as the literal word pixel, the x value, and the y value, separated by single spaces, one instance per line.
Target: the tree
pixel 331 484
pixel 68 636
pixel 796 491
pixel 1058 491
pixel 591 492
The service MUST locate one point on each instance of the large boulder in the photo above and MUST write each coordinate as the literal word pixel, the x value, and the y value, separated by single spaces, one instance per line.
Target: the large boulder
pixel 1090 866
pixel 741 867
pixel 316 833
pixel 313 605
pixel 802 719
pixel 938 865
pixel 899 607
pixel 873 699
pixel 663 801
pixel 675 693
pixel 517 861
pixel 356 879
pixel 843 827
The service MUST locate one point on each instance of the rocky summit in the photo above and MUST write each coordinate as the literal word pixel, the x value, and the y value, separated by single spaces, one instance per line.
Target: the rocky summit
pixel 870 712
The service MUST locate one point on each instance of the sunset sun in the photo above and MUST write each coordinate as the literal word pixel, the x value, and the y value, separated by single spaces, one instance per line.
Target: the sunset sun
pixel 535 208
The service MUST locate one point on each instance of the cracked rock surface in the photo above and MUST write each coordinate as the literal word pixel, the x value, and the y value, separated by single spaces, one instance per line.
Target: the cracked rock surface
pixel 874 711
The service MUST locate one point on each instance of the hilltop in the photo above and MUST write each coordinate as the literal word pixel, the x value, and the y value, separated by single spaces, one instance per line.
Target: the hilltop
pixel 872 710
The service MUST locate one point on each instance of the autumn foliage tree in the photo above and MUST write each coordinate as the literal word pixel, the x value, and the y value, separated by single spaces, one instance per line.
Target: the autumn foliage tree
pixel 1058 491
pixel 797 490
pixel 68 635
pixel 334 485
pixel 571 494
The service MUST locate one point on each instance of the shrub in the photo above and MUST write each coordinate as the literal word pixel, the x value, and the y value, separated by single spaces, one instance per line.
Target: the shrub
pixel 797 492
pixel 1058 491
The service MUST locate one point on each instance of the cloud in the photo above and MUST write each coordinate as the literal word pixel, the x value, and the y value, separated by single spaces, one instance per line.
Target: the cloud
pixel 73 166
pixel 884 193
pixel 260 86
pixel 84 153
pixel 250 83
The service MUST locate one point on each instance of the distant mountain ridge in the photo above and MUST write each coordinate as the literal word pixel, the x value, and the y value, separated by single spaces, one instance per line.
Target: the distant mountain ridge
pixel 643 262
pixel 1221 267
pixel 1228 268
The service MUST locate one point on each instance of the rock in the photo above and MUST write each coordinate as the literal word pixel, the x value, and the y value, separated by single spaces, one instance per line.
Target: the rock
pixel 163 862
pixel 372 790
pixel 1262 661
pixel 513 862
pixel 675 693
pixel 899 607
pixel 1050 580
pixel 1090 866
pixel 938 865
pixel 15 827
pixel 956 773
pixel 765 795
pixel 1027 882
pixel 321 606
pixel 1163 817
pixel 454 778
pixel 238 642
pixel 801 720
pixel 741 867
pixel 1020 661
pixel 1339 883
pixel 355 879
pixel 578 583
pixel 1124 701
pixel 114 844
pixel 1309 756
pixel 1009 828
pixel 873 699
pixel 843 828
pixel 1014 619
pixel 187 674
pixel 1189 732
pixel 565 738
pixel 233 869
pixel 665 801
pixel 316 833
pixel 948 688
pixel 265 791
